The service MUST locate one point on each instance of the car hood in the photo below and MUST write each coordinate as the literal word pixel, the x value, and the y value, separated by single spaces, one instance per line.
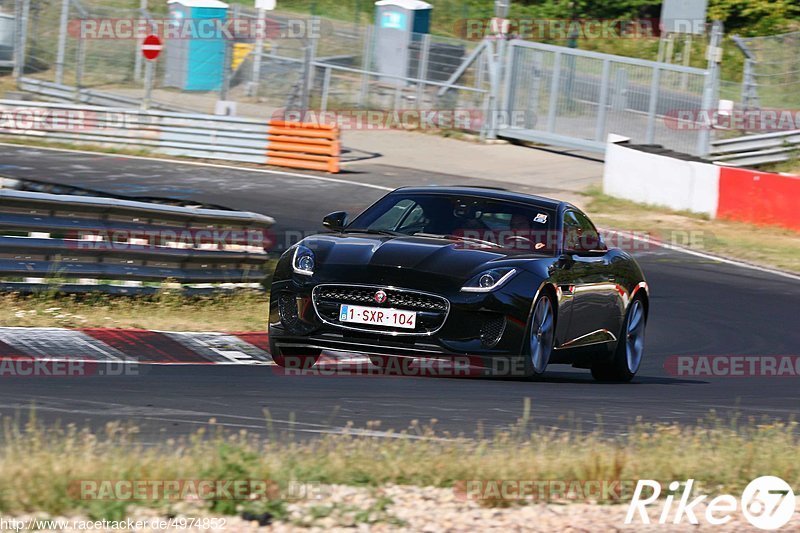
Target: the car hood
pixel 442 257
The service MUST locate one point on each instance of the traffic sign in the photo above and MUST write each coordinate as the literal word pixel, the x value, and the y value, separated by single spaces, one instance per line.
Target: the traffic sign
pixel 151 47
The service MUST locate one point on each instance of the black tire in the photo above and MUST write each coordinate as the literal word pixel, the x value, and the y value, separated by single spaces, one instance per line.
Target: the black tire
pixel 623 364
pixel 540 340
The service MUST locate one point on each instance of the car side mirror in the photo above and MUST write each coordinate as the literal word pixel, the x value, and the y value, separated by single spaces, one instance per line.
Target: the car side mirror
pixel 335 221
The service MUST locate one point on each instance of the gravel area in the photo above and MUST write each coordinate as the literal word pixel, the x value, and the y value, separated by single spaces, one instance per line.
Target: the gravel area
pixel 405 508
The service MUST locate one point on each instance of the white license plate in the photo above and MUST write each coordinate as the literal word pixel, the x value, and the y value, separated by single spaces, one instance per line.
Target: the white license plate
pixel 390 318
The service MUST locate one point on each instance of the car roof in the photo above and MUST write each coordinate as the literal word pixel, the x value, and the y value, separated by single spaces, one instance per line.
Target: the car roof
pixel 487 192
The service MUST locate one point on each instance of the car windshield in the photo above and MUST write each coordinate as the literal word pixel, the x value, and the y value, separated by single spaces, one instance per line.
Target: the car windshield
pixel 473 221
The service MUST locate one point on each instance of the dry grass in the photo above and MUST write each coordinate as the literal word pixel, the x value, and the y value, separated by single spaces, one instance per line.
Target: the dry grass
pixel 765 245
pixel 39 466
pixel 240 311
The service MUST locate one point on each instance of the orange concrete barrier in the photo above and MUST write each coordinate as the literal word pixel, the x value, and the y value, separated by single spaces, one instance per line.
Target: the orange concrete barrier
pixel 303 145
pixel 759 197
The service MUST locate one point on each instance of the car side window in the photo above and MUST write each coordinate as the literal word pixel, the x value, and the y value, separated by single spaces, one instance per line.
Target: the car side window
pixel 580 235
pixel 414 220
pixel 392 217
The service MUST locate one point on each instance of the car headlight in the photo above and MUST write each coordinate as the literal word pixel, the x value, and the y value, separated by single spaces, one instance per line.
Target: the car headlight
pixel 489 280
pixel 303 261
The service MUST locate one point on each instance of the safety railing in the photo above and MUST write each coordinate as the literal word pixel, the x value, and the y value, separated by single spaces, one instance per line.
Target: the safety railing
pixel 752 150
pixel 81 243
pixel 289 144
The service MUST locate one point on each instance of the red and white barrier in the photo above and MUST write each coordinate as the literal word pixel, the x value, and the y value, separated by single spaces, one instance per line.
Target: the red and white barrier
pixel 687 185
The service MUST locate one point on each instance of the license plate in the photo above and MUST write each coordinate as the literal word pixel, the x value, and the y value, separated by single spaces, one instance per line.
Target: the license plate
pixel 390 318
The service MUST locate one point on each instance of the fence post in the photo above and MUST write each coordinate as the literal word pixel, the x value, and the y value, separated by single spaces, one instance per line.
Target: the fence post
pixel 227 72
pixel 554 88
pixel 62 41
pixel 326 83
pixel 602 105
pixel 710 88
pixel 252 88
pixel 137 61
pixel 367 56
pixel 148 84
pixel 422 67
pixel 22 10
pixel 79 63
pixel 652 109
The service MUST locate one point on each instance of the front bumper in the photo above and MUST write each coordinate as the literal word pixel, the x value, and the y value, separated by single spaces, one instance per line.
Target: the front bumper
pixel 485 324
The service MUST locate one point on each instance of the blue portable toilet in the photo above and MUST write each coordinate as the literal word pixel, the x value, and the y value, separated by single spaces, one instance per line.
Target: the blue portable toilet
pixel 196 60
pixel 399 25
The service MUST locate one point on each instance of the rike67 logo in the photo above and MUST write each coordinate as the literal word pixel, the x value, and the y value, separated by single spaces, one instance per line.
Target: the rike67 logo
pixel 767 502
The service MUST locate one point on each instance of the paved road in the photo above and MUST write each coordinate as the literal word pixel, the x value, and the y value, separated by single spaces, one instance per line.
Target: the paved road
pixel 699 307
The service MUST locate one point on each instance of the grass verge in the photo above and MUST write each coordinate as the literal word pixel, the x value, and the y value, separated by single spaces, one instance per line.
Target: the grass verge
pixel 765 245
pixel 167 310
pixel 40 468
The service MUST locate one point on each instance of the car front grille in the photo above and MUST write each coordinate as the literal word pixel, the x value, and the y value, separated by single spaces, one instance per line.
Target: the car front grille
pixel 431 309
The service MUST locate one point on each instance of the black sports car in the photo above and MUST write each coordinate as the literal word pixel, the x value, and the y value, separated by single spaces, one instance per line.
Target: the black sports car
pixel 436 272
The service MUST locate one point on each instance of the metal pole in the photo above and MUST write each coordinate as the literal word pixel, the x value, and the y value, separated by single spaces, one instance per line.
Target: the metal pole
pixel 17 38
pixel 22 38
pixel 62 41
pixel 312 57
pixel 710 87
pixel 602 109
pixel 655 84
pixel 422 67
pixel 79 63
pixel 148 85
pixel 137 64
pixel 226 62
pixel 326 84
pixel 367 54
pixel 554 88
pixel 252 88
pixel 306 76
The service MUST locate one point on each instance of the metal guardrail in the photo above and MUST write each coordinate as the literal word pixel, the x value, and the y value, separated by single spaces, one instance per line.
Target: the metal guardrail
pixel 92 243
pixel 757 149
pixel 67 93
pixel 279 143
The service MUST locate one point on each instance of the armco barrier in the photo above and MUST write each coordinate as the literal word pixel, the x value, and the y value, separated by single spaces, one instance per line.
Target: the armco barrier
pixel 642 174
pixel 280 143
pixel 90 243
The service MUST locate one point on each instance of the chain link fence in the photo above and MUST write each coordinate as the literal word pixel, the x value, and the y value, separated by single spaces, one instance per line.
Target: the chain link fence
pixel 302 62
pixel 773 78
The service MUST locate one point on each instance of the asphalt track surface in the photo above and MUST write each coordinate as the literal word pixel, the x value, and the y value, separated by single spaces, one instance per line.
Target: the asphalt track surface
pixel 699 307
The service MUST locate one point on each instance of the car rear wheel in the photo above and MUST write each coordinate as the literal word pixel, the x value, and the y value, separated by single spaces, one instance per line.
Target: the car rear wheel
pixel 627 357
pixel 541 337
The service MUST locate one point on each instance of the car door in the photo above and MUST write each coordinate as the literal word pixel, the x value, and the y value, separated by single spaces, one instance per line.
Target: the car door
pixel 587 280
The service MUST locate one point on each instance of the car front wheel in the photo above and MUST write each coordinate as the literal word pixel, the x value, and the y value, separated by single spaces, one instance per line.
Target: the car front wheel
pixel 541 337
pixel 627 357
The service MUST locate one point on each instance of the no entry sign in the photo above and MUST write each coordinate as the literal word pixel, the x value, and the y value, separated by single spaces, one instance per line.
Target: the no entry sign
pixel 151 47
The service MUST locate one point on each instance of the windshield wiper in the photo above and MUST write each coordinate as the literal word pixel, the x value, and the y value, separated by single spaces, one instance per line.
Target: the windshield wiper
pixel 459 238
